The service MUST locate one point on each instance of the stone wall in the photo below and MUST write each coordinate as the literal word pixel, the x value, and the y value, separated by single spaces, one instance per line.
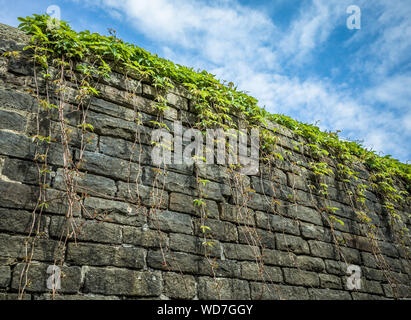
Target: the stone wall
pixel 139 236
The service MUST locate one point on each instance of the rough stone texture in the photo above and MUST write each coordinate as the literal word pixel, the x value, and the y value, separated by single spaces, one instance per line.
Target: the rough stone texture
pixel 135 232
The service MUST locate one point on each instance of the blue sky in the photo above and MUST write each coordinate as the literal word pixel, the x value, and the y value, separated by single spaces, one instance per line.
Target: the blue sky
pixel 297 57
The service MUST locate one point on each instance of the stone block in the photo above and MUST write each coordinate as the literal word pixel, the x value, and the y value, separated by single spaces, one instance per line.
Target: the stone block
pixel 114 281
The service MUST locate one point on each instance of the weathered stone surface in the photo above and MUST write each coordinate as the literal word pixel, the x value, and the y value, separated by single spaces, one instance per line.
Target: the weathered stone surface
pixel 237 214
pixel 292 243
pixel 103 255
pixel 279 258
pixel 310 263
pixel 88 183
pixel 323 249
pixel 300 277
pixel 184 203
pixel 19 221
pixel 14 247
pixel 22 171
pixel 5 276
pixel 178 286
pixel 258 272
pixel 75 297
pixel 86 230
pixel 277 223
pixel 328 294
pixel 12 120
pixel 265 291
pixel 251 235
pixel 173 261
pixel 306 214
pixel 18 196
pixel 330 281
pixel 38 276
pixel 312 231
pixel 145 237
pixel 126 150
pixel 113 168
pixel 220 230
pixel 240 251
pixel 14 99
pixel 223 289
pixel 196 245
pixel 219 268
pixel 16 145
pixel 116 211
pixel 114 281
pixel 170 221
pixel 148 196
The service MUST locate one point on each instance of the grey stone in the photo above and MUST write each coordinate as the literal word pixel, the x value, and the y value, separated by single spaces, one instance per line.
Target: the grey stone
pixel 14 99
pixel 219 268
pixel 114 281
pixel 300 277
pixel 292 243
pixel 328 294
pixel 237 214
pixel 259 272
pixel 235 251
pixel 173 261
pixel 312 231
pixel 220 230
pixel 306 214
pixel 38 276
pixel 16 145
pixel 310 263
pixel 330 281
pixel 223 289
pixel 5 276
pixel 262 238
pixel 184 203
pixel 145 237
pixel 366 296
pixel 279 258
pixel 88 183
pixel 17 196
pixel 171 181
pixel 196 245
pixel 14 247
pixel 323 249
pixel 336 267
pixel 85 230
pixel 126 150
pixel 22 171
pixel 12 121
pixel 170 221
pixel 109 167
pixel 103 255
pixel 118 128
pixel 265 291
pixel 116 211
pixel 20 221
pixel 178 286
pixel 148 196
